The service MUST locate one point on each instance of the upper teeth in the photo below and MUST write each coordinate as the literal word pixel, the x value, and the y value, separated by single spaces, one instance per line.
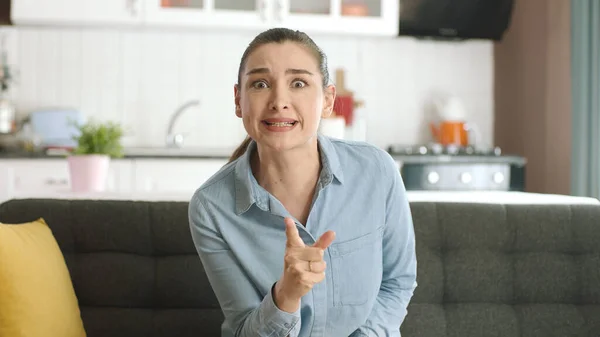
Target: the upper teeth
pixel 282 123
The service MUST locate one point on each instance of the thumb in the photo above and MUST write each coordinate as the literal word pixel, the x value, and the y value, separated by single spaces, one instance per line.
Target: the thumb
pixel 325 240
pixel 291 232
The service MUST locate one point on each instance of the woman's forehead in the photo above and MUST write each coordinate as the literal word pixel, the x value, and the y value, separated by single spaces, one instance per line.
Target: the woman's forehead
pixel 282 55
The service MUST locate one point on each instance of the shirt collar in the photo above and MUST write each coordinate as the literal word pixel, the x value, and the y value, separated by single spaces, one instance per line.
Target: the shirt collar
pixel 248 192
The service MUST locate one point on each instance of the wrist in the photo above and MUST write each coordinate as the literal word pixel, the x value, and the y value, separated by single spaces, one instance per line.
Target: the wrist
pixel 283 301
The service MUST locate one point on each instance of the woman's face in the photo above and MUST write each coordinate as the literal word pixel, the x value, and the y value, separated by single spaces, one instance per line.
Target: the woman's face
pixel 280 97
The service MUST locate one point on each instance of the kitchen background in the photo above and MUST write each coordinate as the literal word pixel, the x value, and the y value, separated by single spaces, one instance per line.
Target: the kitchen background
pixel 140 76
pixel 515 90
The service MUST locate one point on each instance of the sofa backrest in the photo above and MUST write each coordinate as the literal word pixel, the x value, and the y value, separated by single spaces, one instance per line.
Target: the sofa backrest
pixel 134 267
pixel 506 270
pixel 483 270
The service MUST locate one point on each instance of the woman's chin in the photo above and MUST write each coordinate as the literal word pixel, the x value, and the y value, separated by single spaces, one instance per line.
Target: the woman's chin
pixel 281 143
pixel 278 145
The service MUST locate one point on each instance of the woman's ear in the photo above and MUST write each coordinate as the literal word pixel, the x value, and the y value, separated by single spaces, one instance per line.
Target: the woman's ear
pixel 236 97
pixel 328 100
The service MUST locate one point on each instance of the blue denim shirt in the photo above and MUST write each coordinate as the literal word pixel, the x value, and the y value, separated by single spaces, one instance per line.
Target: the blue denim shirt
pixel 238 229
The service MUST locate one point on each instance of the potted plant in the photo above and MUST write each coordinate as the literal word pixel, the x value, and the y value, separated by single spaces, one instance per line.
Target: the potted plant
pixel 89 162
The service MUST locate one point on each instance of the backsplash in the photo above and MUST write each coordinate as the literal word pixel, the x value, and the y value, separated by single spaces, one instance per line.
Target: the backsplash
pixel 139 77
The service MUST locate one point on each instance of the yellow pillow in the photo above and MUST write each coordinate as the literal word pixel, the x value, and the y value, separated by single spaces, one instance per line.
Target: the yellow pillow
pixel 36 293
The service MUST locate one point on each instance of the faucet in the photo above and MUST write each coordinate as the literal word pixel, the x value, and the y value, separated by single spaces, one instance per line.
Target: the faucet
pixel 176 140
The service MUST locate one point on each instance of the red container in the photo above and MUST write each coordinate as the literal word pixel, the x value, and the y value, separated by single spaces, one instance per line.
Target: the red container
pixel 344 106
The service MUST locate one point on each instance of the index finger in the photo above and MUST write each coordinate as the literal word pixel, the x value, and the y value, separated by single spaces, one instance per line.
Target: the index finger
pixel 291 232
pixel 325 240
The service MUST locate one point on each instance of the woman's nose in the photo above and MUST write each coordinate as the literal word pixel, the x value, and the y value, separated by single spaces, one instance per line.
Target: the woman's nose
pixel 279 99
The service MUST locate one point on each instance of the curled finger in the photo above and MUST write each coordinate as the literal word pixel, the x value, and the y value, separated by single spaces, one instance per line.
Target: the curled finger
pixel 316 266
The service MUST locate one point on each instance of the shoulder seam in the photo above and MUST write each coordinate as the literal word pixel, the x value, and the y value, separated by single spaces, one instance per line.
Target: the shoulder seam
pixel 224 174
pixel 200 202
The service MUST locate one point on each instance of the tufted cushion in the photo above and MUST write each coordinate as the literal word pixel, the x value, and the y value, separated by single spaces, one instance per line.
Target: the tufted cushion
pixel 483 270
pixel 510 271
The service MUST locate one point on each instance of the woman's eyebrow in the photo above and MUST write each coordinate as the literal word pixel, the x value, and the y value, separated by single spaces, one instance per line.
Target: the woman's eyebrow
pixel 288 71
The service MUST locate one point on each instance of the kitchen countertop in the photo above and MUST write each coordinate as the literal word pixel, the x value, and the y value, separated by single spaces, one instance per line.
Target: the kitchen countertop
pixel 225 153
pixel 136 153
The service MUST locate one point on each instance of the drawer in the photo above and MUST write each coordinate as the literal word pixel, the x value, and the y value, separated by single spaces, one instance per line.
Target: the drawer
pixel 174 176
pixel 46 174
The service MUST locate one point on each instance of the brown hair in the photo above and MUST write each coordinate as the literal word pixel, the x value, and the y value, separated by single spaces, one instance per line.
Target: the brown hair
pixel 280 35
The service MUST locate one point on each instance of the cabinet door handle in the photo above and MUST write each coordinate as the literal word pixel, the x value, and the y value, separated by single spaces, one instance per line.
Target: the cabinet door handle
pixel 51 181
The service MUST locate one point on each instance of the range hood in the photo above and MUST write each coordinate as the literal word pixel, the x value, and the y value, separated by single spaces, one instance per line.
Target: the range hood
pixel 455 19
pixel 5 13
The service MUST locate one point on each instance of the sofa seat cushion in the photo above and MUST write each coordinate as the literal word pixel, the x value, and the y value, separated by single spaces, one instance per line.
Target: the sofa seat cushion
pixel 36 293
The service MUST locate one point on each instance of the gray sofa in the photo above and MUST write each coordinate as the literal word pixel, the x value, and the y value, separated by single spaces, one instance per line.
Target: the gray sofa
pixel 484 270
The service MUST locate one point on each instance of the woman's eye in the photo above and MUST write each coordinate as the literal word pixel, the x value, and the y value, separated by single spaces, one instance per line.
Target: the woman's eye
pixel 259 85
pixel 298 84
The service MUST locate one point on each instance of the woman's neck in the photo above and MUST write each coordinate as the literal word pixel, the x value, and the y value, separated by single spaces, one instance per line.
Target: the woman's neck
pixel 290 176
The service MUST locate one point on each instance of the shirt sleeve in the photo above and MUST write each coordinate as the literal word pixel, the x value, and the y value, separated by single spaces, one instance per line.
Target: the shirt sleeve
pixel 247 313
pixel 399 260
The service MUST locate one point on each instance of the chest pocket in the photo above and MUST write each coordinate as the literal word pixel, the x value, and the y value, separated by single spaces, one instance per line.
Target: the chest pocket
pixel 356 267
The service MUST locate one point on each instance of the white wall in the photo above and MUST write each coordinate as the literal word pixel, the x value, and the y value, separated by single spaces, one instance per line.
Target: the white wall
pixel 139 77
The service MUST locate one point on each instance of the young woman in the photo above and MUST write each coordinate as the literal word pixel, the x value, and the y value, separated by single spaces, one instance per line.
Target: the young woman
pixel 302 235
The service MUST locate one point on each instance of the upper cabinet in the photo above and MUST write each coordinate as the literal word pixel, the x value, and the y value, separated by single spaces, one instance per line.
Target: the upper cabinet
pixel 77 12
pixel 354 17
pixel 208 13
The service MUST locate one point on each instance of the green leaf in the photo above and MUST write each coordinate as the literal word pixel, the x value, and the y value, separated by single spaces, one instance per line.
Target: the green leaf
pixel 99 138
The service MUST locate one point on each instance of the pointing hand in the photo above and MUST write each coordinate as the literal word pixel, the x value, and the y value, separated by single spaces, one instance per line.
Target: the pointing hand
pixel 303 267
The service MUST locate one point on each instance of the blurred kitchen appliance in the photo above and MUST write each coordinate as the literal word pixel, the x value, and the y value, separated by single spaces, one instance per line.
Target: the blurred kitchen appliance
pixel 344 104
pixel 450 133
pixel 54 127
pixel 435 167
pixel 452 128
pixel 5 12
pixel 455 19
pixel 8 124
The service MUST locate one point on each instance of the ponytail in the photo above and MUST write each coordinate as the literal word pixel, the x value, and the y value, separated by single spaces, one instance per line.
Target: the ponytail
pixel 241 149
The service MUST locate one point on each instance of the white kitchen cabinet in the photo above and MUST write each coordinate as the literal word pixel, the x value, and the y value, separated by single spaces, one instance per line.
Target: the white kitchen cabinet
pixel 249 14
pixel 47 176
pixel 173 175
pixel 379 17
pixel 77 12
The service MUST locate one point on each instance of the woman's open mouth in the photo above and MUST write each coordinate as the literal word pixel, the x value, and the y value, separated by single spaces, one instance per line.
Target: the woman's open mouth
pixel 279 125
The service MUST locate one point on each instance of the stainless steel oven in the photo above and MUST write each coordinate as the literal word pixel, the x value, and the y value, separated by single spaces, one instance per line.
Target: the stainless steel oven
pixel 437 168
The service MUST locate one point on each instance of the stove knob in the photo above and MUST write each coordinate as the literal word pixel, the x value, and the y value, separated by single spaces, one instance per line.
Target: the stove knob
pixel 423 149
pixel 452 149
pixel 466 177
pixel 437 148
pixel 433 177
pixel 497 151
pixel 498 177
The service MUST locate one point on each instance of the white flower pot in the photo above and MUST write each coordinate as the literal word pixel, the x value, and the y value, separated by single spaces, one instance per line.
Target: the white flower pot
pixel 88 172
